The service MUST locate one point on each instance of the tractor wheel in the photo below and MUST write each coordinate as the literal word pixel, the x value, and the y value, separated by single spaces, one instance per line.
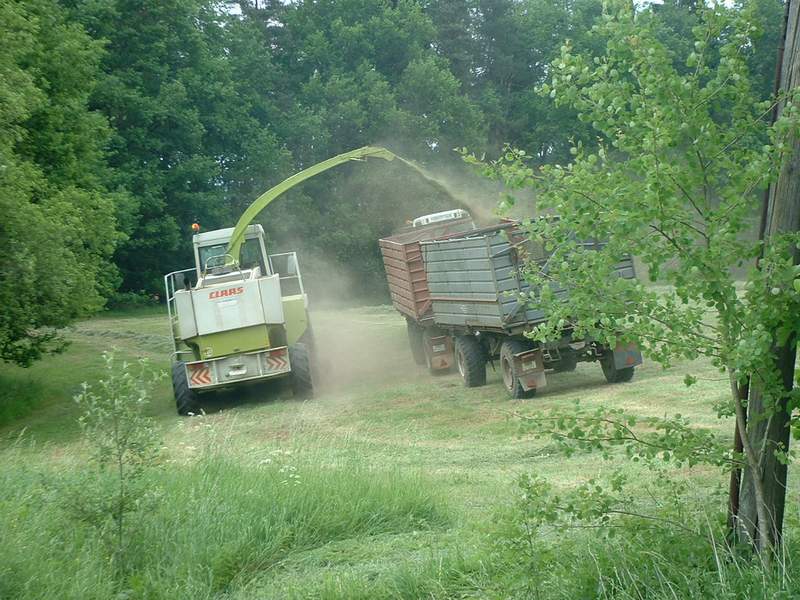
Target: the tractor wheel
pixel 470 361
pixel 185 397
pixel 612 373
pixel 300 363
pixel 510 376
pixel 415 341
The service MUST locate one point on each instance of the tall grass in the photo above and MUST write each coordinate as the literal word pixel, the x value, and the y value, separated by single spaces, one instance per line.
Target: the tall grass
pixel 637 561
pixel 214 526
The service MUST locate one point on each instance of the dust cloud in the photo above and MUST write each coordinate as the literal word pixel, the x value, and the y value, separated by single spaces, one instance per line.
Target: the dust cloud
pixel 361 348
pixel 468 189
pixel 338 247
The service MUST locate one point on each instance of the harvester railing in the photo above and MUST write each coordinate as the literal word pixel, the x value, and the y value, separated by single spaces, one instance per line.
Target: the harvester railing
pixel 286 266
pixel 170 280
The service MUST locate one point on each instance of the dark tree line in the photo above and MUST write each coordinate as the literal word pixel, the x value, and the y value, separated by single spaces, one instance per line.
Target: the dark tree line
pixel 122 121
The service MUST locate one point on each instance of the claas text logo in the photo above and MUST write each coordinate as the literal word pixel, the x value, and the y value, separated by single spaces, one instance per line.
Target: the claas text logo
pixel 225 293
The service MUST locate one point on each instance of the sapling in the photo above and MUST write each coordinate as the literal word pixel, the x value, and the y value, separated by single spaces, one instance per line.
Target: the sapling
pixel 123 444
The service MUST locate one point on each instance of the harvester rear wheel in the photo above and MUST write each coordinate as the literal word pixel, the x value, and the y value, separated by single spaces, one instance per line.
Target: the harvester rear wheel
pixel 300 362
pixel 510 376
pixel 612 373
pixel 471 361
pixel 415 342
pixel 185 397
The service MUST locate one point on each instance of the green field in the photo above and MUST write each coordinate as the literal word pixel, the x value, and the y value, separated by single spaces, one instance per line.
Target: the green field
pixel 390 483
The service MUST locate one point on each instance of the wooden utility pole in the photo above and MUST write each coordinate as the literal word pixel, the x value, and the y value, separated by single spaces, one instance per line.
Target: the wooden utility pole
pixel 768 423
pixel 735 486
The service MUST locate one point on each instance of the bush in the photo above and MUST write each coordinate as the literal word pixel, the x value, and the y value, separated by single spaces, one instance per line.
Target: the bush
pixel 18 398
pixel 128 300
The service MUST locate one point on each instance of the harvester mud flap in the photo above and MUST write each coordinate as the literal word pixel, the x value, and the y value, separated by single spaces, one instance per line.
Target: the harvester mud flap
pixel 530 369
pixel 440 352
pixel 627 355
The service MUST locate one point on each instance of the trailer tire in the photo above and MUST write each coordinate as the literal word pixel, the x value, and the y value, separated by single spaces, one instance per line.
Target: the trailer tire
pixel 612 373
pixel 470 361
pixel 510 378
pixel 185 398
pixel 416 343
pixel 300 363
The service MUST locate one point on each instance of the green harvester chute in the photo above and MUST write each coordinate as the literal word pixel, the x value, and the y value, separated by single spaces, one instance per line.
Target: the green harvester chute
pixel 235 244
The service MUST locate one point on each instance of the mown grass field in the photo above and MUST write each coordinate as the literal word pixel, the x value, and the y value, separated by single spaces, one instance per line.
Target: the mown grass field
pixel 390 483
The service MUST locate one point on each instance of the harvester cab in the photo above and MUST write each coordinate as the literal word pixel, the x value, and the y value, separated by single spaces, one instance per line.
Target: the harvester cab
pixel 243 321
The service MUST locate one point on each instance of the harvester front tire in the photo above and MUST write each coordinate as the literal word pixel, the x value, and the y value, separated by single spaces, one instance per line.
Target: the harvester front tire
pixel 612 373
pixel 185 398
pixel 300 362
pixel 510 376
pixel 416 343
pixel 470 361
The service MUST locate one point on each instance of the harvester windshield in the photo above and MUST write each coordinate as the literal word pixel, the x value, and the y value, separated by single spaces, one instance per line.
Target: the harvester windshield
pixel 250 257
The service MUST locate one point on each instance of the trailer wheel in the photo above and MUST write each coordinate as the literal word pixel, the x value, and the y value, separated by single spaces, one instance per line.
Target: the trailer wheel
pixel 612 373
pixel 510 377
pixel 470 361
pixel 415 342
pixel 300 362
pixel 185 397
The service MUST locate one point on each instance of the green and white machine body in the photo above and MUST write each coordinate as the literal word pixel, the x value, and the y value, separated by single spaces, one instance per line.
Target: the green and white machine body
pixel 241 315
pixel 236 322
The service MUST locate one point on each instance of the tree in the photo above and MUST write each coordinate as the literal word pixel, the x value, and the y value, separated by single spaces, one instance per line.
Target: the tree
pixel 771 403
pixel 682 153
pixel 186 143
pixel 58 225
pixel 354 73
pixel 456 37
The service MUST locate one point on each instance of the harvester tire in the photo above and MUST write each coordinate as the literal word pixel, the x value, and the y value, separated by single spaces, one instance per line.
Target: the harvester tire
pixel 470 361
pixel 612 373
pixel 185 397
pixel 300 362
pixel 415 342
pixel 510 376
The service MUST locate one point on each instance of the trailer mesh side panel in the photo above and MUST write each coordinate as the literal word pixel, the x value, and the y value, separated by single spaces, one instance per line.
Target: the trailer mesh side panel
pixel 475 282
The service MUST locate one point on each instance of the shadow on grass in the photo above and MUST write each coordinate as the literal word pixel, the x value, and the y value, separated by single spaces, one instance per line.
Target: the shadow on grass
pixel 246 396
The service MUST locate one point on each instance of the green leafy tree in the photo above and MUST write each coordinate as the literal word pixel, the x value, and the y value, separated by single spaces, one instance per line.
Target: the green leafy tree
pixel 675 179
pixel 186 143
pixel 58 227
pixel 350 74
